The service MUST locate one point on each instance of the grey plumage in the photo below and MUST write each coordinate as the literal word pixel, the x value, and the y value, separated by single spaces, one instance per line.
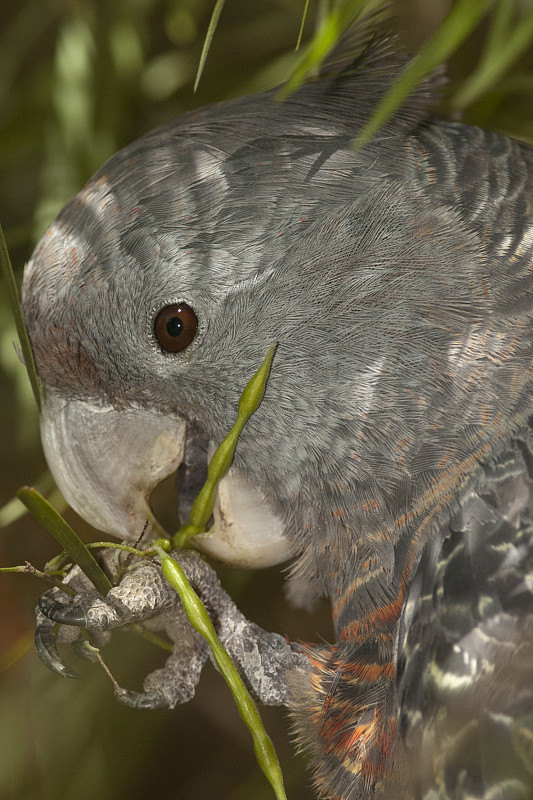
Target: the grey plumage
pixel 397 281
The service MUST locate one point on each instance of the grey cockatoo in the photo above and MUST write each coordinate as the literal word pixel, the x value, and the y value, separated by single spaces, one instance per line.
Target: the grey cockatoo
pixel 391 456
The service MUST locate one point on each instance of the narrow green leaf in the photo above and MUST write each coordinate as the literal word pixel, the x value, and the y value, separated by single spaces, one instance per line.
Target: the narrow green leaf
pixel 495 62
pixel 199 619
pixel 14 302
pixel 317 50
pixel 500 24
pixel 302 25
pixel 461 20
pixel 208 39
pixel 222 459
pixel 330 29
pixel 67 538
pixel 14 509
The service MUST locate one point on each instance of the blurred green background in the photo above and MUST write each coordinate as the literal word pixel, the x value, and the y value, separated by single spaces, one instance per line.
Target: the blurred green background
pixel 78 80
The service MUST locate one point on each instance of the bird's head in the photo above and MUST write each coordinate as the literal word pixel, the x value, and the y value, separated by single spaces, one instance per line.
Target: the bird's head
pixel 153 298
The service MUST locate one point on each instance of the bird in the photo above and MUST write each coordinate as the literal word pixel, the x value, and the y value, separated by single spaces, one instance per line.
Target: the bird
pixel 390 462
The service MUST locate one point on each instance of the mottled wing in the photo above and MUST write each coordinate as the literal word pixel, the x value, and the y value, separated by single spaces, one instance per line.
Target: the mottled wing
pixel 465 685
pixel 457 611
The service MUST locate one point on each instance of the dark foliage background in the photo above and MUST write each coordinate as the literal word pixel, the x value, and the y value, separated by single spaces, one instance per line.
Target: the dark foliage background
pixel 78 80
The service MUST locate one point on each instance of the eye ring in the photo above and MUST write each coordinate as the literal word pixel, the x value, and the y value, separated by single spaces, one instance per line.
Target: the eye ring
pixel 175 327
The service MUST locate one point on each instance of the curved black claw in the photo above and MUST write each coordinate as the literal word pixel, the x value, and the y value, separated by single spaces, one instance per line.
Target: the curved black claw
pixel 45 645
pixel 142 700
pixel 66 615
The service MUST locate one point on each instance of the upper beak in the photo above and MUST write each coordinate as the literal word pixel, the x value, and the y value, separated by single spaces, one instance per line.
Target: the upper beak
pixel 107 462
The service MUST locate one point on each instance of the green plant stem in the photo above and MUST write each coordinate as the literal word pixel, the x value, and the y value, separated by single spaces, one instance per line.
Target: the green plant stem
pixel 126 548
pixel 199 619
pixel 49 577
pixel 219 465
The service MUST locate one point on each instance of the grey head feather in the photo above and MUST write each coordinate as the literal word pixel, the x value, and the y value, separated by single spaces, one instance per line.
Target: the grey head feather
pixel 397 282
pixel 363 265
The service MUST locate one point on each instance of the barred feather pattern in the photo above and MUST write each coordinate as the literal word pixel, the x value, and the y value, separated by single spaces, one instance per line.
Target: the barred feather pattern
pixel 465 694
pixel 434 700
pixel 427 695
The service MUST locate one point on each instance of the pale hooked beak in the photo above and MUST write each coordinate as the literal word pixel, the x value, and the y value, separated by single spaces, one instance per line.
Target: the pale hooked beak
pixel 107 462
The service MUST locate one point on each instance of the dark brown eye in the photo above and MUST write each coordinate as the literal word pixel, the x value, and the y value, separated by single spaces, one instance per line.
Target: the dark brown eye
pixel 175 327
